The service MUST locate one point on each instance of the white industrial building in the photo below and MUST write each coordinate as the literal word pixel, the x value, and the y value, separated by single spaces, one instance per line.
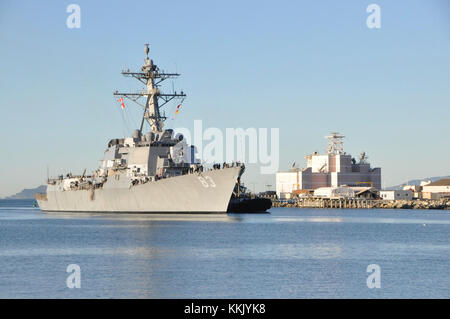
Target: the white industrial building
pixel 436 190
pixel 440 186
pixel 333 169
pixel 334 192
pixel 397 195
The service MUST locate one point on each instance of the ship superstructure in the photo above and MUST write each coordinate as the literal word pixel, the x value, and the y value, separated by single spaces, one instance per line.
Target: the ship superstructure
pixel 151 171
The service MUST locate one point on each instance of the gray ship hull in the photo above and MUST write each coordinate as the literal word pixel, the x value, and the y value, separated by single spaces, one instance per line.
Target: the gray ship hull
pixel 208 192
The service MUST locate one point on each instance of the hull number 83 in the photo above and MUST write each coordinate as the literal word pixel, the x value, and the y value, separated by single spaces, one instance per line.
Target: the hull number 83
pixel 206 181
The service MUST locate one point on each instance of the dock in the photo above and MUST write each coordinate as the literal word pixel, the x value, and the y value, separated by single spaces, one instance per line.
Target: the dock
pixel 360 203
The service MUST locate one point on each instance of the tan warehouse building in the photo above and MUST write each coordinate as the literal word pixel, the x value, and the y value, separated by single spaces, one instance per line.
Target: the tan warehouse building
pixel 436 190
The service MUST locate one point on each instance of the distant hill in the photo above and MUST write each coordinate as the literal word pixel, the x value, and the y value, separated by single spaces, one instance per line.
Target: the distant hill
pixel 28 193
pixel 416 182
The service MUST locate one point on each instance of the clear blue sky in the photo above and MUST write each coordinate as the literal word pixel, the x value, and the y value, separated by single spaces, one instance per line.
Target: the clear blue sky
pixel 307 67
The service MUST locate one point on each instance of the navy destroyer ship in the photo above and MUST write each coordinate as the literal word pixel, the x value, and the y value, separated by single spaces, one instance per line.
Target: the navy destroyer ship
pixel 149 172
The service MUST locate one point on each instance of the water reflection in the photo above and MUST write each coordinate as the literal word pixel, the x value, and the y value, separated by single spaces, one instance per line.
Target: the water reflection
pixel 267 252
pixel 310 219
pixel 146 252
pixel 147 217
pixel 363 219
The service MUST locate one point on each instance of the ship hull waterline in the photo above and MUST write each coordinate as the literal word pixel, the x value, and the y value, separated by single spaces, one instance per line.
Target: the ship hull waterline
pixel 207 192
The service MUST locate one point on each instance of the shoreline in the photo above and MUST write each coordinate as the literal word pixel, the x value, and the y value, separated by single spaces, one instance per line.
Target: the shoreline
pixel 315 202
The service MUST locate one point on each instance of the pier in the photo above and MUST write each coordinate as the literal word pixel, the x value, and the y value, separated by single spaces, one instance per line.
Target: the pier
pixel 361 203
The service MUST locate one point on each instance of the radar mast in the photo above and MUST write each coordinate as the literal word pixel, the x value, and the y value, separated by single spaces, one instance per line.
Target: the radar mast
pixel 151 77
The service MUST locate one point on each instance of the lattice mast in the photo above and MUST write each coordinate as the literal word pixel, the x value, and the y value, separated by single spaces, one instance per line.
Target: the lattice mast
pixel 151 76
pixel 335 143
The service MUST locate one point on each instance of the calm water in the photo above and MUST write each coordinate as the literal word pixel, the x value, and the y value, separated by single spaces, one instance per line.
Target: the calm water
pixel 290 253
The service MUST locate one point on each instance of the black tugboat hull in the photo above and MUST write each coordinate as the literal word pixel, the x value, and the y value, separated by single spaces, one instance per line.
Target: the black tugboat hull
pixel 249 205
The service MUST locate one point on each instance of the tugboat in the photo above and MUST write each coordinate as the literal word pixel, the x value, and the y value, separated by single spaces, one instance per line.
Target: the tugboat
pixel 243 201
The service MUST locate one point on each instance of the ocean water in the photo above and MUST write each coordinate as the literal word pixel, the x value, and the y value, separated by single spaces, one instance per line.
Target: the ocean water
pixel 289 253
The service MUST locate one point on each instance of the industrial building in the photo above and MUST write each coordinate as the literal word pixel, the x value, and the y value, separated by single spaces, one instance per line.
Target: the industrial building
pixel 397 195
pixel 436 190
pixel 334 192
pixel 333 169
pixel 440 186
